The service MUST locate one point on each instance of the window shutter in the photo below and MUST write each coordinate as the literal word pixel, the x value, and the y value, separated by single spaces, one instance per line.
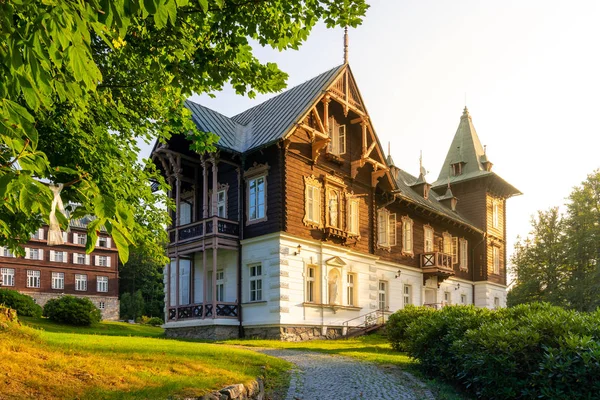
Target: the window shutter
pixel 41 252
pixel 108 261
pixel 97 241
pixel 52 255
pixel 75 238
pixel 317 204
pixel 65 257
pixel 96 260
pixel 342 139
pixel 108 241
pixel 27 256
pixel 74 258
pixel 41 233
pixel 392 229
pixel 87 259
pixel 65 236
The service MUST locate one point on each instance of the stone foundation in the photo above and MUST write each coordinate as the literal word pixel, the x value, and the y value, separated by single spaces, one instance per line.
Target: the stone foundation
pixel 255 390
pixel 292 333
pixel 111 304
pixel 208 332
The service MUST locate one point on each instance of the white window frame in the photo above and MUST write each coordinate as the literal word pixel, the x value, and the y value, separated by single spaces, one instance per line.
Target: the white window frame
pixel 222 203
pixel 407 295
pixel 102 261
pixel 496 302
pixel 80 238
pixel 39 235
pixel 33 278
pixel 447 297
pixel 447 239
pixel 256 198
pixel 464 254
pixel 311 282
pixel 495 214
pixel 59 256
pixel 102 284
pixel 463 298
pixel 58 280
pixel 101 305
pixel 312 202
pixel 81 282
pixel 8 276
pixel 219 285
pixel 382 297
pixel 496 259
pixel 455 259
pixel 7 253
pixel 337 134
pixel 429 239
pixel 386 228
pixel 351 289
pixel 407 235
pixel 255 283
pixel 106 240
pixel 353 217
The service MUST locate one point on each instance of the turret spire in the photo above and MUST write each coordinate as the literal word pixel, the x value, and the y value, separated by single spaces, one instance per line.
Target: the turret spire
pixel 346 45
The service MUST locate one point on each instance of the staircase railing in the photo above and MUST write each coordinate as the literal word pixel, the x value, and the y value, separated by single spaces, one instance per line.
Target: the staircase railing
pixel 377 317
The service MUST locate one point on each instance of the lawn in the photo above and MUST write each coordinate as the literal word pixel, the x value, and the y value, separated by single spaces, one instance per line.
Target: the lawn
pixel 104 328
pixel 52 364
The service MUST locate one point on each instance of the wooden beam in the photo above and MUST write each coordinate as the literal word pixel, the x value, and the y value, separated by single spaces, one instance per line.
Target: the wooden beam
pixel 325 101
pixel 314 132
pixel 375 175
pixel 355 165
pixel 319 122
pixel 346 95
pixel 183 156
pixel 350 106
pixel 370 149
pixel 364 136
pixel 317 147
pixel 359 120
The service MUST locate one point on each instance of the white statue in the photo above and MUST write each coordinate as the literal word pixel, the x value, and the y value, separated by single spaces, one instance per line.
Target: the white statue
pixel 333 291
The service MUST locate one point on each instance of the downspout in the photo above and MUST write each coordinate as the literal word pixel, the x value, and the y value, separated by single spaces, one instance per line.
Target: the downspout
pixel 473 265
pixel 241 216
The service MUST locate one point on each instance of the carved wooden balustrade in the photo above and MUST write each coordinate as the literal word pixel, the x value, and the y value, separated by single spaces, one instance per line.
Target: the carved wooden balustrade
pixel 201 311
pixel 436 264
pixel 204 228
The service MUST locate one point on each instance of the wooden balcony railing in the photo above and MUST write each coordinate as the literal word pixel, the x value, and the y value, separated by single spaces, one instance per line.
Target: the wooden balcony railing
pixel 200 311
pixel 206 227
pixel 436 260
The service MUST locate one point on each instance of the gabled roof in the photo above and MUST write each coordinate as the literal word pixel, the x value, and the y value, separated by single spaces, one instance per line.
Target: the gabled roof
pixel 465 148
pixel 267 122
pixel 404 182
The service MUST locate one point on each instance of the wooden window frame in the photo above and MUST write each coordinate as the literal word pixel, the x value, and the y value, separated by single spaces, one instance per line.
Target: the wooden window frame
pixel 7 278
pixel 311 284
pixel 495 260
pixel 253 174
pixel 495 214
pixel 257 279
pixel 351 289
pixel 463 254
pixel 58 277
pixel 447 240
pixel 455 248
pixel 34 280
pixel 81 282
pixel 102 284
pixel 408 225
pixel 314 186
pixel 407 293
pixel 428 229
pixel 353 203
pixel 338 143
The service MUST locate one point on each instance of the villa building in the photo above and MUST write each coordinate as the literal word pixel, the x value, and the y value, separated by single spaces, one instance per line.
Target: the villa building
pixel 300 226
pixel 47 272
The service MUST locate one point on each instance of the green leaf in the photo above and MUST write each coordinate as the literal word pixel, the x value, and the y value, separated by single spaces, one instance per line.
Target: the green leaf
pixel 92 234
pixel 104 206
pixel 161 16
pixel 204 5
pixel 122 245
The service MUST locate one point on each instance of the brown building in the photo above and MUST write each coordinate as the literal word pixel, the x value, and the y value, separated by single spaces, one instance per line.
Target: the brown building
pixel 48 272
pixel 300 226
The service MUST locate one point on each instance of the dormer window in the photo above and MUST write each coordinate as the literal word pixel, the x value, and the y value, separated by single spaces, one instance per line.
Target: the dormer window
pixel 457 169
pixel 337 134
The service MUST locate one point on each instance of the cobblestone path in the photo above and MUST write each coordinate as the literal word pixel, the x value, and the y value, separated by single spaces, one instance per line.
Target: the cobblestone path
pixel 320 376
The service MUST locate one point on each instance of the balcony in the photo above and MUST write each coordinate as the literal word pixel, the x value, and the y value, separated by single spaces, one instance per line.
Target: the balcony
pixel 206 228
pixel 201 311
pixel 436 264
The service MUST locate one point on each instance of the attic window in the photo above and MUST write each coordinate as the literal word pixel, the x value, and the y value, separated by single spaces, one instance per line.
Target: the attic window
pixel 337 134
pixel 457 169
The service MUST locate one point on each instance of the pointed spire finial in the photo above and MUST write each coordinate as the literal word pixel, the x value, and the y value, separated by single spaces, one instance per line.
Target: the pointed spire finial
pixel 422 171
pixel 389 149
pixel 346 45
pixel 485 149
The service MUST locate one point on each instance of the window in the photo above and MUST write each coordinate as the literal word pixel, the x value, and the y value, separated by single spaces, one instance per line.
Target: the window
pixel 222 203
pixel 101 305
pixel 219 285
pixel 38 235
pixel 256 198
pixel 79 238
pixel 447 298
pixel 383 305
pixel 103 242
pixel 353 216
pixel 407 235
pixel 463 299
pixel 185 212
pixel 457 169
pixel 79 258
pixel 428 239
pixel 311 278
pixel 8 276
pixel 337 134
pixel 407 295
pixel 447 243
pixel 80 282
pixel 6 252
pixel 256 282
pixel 386 228
pixel 333 208
pixel 312 201
pixel 58 280
pixel 496 302
pixel 102 261
pixel 33 279
pixel 455 250
pixel 495 217
pixel 350 292
pixel 184 280
pixel 102 283
pixel 496 259
pixel 58 256
pixel 464 258
pixel 34 254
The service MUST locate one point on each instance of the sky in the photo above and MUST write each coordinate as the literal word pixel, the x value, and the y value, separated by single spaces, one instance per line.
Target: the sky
pixel 528 70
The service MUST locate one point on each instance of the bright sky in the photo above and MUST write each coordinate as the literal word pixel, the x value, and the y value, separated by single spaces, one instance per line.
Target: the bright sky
pixel 530 71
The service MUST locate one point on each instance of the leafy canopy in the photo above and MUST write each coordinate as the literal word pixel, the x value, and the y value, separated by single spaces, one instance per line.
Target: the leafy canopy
pixel 81 82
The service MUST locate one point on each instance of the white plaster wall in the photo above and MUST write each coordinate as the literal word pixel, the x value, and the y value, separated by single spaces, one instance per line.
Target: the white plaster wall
pixel 452 286
pixel 226 261
pixel 486 292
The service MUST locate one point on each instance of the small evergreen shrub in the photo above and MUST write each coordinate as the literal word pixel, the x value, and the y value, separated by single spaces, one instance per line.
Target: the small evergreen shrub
pixel 152 321
pixel 21 303
pixel 398 322
pixel 72 310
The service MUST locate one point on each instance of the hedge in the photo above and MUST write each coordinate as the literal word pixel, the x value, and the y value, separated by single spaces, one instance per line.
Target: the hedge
pixel 24 305
pixel 72 310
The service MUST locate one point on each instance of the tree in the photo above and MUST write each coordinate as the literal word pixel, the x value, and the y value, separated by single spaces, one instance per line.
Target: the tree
pixel 82 81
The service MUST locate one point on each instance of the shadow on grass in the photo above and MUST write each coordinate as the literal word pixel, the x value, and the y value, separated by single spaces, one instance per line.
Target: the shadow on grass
pixel 103 328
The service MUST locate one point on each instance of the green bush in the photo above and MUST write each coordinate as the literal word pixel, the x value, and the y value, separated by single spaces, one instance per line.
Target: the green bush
pixel 72 310
pixel 152 321
pixel 396 326
pixel 430 339
pixel 23 304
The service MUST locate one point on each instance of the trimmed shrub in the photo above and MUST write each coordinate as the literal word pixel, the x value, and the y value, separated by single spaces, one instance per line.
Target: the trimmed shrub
pixel 21 303
pixel 72 310
pixel 398 322
pixel 152 321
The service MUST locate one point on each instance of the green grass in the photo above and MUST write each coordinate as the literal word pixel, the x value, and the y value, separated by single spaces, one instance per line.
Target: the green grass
pixel 54 364
pixel 103 328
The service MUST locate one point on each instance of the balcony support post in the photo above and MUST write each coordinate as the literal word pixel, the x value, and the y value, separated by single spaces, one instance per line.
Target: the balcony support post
pixel 215 172
pixel 204 283
pixel 214 278
pixel 204 189
pixel 177 288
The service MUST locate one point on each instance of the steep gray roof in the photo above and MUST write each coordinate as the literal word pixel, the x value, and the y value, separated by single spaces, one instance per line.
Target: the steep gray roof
pixel 404 182
pixel 465 148
pixel 267 122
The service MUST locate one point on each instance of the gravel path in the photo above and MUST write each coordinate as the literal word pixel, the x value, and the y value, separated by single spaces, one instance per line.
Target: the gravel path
pixel 322 376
